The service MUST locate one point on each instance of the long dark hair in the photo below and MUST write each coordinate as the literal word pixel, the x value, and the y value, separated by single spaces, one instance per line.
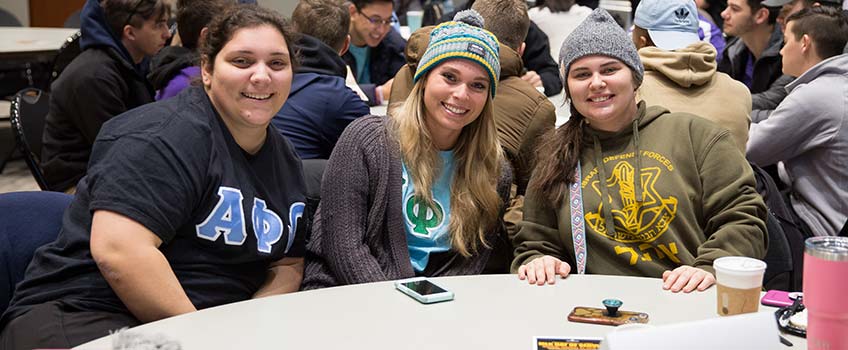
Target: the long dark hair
pixel 558 155
pixel 560 150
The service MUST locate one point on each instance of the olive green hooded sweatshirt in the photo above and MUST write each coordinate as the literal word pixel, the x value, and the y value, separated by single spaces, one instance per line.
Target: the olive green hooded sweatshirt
pixel 679 193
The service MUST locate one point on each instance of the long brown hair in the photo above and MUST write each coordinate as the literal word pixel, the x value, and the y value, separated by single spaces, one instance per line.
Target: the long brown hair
pixel 558 155
pixel 475 204
pixel 560 150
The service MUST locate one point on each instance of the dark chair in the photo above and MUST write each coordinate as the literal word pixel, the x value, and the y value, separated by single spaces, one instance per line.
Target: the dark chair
pixel 7 19
pixel 313 172
pixel 7 140
pixel 73 20
pixel 28 220
pixel 784 257
pixel 69 50
pixel 29 109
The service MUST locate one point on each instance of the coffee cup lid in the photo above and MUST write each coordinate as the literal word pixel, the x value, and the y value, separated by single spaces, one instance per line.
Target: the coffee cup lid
pixel 739 264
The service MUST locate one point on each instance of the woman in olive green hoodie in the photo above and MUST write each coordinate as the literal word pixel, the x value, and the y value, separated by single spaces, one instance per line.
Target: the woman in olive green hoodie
pixel 678 192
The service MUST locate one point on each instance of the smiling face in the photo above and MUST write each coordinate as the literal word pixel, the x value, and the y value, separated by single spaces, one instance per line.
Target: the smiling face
pixel 362 30
pixel 455 93
pixel 250 80
pixel 601 88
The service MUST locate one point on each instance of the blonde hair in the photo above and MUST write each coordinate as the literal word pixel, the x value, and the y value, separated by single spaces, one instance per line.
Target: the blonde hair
pixel 475 204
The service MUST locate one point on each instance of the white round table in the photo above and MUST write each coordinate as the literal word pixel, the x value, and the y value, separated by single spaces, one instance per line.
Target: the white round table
pixel 16 41
pixel 488 312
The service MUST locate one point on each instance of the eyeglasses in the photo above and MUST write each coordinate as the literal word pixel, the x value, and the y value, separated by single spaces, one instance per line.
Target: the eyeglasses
pixel 376 20
pixel 132 13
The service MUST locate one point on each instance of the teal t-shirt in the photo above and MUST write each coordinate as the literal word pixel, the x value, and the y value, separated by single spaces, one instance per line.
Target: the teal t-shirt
pixel 362 55
pixel 427 228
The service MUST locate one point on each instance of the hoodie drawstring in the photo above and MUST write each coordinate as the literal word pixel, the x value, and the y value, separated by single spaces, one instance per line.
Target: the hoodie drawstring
pixel 638 173
pixel 606 200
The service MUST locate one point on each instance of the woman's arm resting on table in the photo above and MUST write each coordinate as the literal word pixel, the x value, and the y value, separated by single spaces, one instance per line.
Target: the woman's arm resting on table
pixel 129 258
pixel 284 276
pixel 687 279
pixel 543 269
pixel 733 212
pixel 539 248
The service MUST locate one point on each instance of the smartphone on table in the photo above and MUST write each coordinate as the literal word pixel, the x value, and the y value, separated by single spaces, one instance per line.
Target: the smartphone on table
pixel 421 289
pixel 780 298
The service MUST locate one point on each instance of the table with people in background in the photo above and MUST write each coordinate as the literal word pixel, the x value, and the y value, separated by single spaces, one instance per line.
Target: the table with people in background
pixel 264 177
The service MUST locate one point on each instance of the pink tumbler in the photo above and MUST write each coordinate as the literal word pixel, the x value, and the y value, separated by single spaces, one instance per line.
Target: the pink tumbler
pixel 825 285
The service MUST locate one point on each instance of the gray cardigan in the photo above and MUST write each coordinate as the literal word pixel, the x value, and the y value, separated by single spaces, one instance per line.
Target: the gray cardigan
pixel 359 234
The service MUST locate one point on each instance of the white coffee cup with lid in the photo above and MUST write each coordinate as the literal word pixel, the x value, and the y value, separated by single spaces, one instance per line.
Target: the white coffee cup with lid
pixel 739 281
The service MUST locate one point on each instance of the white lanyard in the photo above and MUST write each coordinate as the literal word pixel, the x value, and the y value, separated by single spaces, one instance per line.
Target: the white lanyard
pixel 578 228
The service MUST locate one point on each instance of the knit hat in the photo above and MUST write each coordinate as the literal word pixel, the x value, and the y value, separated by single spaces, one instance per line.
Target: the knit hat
pixel 464 37
pixel 599 34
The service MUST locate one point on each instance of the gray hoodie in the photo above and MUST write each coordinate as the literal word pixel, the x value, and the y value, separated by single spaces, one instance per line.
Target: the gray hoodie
pixel 808 132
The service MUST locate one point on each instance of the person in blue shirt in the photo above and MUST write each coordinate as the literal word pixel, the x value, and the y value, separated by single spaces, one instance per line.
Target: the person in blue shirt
pixel 420 192
pixel 320 105
pixel 376 50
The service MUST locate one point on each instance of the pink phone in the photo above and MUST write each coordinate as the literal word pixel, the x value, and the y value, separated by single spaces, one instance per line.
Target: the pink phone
pixel 779 298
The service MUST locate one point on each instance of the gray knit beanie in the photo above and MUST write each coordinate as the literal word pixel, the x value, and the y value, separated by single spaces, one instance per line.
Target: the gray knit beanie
pixel 599 34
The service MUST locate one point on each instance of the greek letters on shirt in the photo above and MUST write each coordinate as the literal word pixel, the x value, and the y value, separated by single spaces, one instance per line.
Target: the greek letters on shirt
pixel 423 219
pixel 227 219
pixel 637 224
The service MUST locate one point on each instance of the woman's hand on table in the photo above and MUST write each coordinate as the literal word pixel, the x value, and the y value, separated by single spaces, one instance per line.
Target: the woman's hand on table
pixel 687 278
pixel 543 269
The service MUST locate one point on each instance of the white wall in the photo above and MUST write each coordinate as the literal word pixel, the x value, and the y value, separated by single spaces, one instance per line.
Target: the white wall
pixel 285 7
pixel 19 8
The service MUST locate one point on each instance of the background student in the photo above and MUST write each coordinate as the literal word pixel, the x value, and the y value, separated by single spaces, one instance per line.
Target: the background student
pixel 189 203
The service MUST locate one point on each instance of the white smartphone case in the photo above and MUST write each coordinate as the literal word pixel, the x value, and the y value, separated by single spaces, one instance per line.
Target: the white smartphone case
pixel 422 298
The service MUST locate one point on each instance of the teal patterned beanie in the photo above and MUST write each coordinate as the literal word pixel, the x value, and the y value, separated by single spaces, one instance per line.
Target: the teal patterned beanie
pixel 464 37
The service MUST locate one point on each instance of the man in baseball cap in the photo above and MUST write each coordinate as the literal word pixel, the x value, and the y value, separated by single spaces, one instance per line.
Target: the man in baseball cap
pixel 680 69
pixel 790 7
pixel 671 24
pixel 764 102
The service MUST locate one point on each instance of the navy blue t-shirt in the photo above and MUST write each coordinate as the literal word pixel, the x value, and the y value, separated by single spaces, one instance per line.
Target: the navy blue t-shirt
pixel 174 167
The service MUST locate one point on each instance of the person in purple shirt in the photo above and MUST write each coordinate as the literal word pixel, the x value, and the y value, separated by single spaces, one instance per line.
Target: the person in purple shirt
pixel 710 32
pixel 174 67
pixel 753 56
